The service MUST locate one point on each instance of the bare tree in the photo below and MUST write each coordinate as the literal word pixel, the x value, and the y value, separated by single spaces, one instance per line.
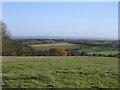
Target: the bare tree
pixel 7 44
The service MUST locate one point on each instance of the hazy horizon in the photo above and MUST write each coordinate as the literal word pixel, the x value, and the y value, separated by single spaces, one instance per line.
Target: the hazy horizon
pixel 61 37
pixel 64 19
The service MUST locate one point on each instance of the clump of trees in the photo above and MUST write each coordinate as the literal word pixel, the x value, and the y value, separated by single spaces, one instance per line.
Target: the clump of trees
pixel 73 53
pixel 83 53
pixel 7 43
pixel 103 55
pixel 11 47
pixel 57 52
pixel 23 50
pixel 41 53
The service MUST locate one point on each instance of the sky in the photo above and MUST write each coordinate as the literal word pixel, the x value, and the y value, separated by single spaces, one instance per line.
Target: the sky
pixel 70 19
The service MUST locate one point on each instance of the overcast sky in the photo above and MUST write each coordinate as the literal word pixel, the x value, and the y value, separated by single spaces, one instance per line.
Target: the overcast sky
pixel 79 19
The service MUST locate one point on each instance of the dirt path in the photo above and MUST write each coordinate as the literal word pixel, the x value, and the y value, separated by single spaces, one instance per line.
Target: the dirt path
pixel 53 44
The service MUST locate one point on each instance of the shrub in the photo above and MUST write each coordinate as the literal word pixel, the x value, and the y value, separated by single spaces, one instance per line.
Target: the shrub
pixel 73 53
pixel 57 52
pixel 94 54
pixel 99 54
pixel 110 55
pixel 8 48
pixel 42 53
pixel 83 53
pixel 118 55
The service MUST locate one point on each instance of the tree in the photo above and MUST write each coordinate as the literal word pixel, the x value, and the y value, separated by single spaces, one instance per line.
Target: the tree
pixel 7 43
pixel 57 52
pixel 83 53
pixel 73 53
pixel 0 38
pixel 13 47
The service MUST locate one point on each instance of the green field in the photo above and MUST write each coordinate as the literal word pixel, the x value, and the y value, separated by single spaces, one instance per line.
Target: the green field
pixel 49 47
pixel 90 50
pixel 60 72
pixel 43 41
pixel 106 52
pixel 91 47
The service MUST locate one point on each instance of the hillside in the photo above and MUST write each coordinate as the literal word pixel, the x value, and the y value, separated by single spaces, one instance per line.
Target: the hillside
pixel 60 72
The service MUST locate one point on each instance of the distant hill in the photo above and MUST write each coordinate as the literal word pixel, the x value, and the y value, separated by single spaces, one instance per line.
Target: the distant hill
pixel 60 37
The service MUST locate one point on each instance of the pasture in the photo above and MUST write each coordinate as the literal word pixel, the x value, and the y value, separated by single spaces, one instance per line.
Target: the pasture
pixel 106 52
pixel 53 44
pixel 60 46
pixel 60 72
pixel 89 46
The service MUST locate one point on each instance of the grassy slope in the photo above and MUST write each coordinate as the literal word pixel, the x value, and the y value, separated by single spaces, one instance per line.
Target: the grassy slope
pixel 59 72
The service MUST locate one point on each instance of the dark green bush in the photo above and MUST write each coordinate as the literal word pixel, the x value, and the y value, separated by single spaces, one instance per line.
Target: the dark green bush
pixel 83 53
pixel 73 53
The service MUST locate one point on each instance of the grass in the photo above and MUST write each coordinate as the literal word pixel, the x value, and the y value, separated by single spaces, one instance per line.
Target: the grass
pixel 100 49
pixel 60 72
pixel 106 52
pixel 91 50
pixel 49 47
pixel 40 42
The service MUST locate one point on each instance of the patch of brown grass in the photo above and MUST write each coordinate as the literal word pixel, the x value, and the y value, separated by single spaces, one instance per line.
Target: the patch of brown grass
pixel 53 44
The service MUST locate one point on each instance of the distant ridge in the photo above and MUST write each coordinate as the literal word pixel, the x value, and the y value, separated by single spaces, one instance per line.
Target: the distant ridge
pixel 60 37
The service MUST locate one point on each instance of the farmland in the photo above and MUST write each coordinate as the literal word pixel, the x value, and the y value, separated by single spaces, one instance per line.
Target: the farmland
pixel 60 46
pixel 106 52
pixel 91 47
pixel 53 44
pixel 60 72
pixel 87 64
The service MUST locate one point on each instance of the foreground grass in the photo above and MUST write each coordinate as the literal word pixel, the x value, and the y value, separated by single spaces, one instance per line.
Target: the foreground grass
pixel 60 72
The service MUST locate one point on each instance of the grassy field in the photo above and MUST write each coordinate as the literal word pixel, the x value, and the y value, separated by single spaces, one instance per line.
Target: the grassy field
pixel 49 47
pixel 89 46
pixel 43 41
pixel 101 49
pixel 60 72
pixel 106 52
pixel 91 50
